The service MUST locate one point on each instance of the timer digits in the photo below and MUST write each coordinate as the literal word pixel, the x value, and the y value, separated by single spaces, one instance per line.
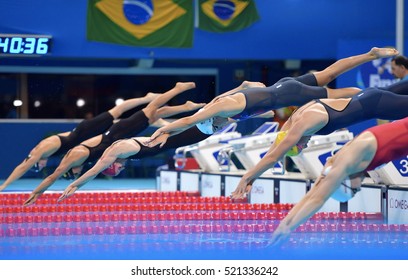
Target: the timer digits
pixel 12 44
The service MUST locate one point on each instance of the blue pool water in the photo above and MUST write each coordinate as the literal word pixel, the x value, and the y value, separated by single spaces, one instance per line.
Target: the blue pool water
pixel 75 231
pixel 205 246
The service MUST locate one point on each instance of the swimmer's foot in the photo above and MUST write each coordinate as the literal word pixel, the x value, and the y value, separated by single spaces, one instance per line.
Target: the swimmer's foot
pixel 150 96
pixel 383 52
pixel 185 86
pixel 194 106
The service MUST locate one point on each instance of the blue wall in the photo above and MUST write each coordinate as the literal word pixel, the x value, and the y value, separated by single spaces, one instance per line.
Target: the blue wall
pixel 19 138
pixel 288 29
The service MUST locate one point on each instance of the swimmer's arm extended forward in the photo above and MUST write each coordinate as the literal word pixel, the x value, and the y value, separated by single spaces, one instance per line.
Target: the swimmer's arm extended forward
pixel 276 152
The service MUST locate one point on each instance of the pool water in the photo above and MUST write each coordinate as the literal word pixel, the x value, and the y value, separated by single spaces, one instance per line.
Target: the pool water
pixel 182 225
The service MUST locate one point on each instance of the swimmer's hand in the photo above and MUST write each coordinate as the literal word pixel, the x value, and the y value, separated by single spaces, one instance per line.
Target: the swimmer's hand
pixel 280 235
pixel 156 134
pixel 242 190
pixel 32 199
pixel 156 139
pixel 69 191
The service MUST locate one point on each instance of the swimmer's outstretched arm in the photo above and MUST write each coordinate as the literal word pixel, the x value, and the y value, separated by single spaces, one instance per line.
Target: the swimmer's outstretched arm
pixel 43 148
pixel 44 185
pixel 274 154
pixel 21 169
pixel 324 187
pixel 180 125
pixel 159 123
pixel 120 149
pixel 297 132
pixel 66 164
pixel 100 165
pixel 354 157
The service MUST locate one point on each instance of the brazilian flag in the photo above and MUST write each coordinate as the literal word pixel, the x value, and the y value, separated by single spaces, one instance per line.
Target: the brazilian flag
pixel 226 16
pixel 148 23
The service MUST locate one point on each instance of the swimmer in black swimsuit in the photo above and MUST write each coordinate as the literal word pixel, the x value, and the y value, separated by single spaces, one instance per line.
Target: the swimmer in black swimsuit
pixel 113 160
pixel 324 116
pixel 296 91
pixel 91 149
pixel 59 144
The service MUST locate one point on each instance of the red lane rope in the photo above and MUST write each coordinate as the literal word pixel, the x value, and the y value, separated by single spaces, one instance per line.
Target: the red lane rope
pixel 195 228
pixel 183 210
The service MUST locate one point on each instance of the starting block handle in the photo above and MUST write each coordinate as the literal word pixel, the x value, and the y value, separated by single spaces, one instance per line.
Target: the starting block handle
pixel 266 127
pixel 228 128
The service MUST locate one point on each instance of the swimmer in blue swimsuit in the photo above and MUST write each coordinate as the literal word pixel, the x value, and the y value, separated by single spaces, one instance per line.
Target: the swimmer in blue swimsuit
pixel 249 102
pixel 324 116
pixel 59 144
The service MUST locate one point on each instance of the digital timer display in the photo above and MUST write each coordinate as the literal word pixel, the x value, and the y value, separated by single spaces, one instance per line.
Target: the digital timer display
pixel 18 44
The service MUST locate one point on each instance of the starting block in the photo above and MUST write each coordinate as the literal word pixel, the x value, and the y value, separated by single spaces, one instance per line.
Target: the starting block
pixel 312 159
pixel 393 173
pixel 205 152
pixel 250 149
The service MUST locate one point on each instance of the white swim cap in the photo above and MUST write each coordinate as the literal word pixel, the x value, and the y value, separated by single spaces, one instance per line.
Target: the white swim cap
pixel 206 126
pixel 344 192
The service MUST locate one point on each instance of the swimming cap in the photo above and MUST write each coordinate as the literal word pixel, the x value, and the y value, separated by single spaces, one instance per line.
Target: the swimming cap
pixel 39 165
pixel 35 168
pixel 206 126
pixel 113 170
pixel 294 151
pixel 70 175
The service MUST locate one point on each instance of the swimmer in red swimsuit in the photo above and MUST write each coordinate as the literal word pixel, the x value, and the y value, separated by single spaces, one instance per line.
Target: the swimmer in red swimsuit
pixel 372 148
